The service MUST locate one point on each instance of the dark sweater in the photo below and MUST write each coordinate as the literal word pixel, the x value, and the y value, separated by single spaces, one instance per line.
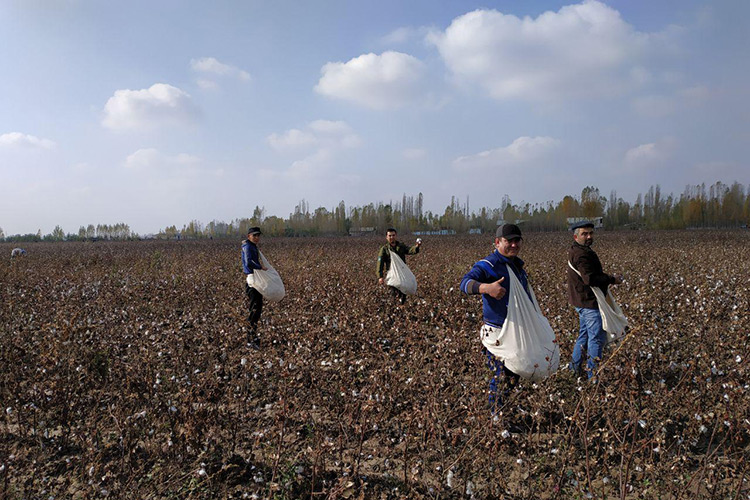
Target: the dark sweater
pixel 585 260
pixel 384 256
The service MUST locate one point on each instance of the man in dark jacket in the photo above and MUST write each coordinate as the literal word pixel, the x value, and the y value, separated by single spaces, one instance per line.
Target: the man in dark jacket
pixel 384 258
pixel 592 338
pixel 251 262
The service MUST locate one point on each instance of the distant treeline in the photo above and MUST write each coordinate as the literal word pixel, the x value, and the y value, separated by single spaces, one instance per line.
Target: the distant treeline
pixel 119 231
pixel 717 205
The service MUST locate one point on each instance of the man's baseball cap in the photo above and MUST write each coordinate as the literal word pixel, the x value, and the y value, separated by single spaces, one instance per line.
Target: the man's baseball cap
pixel 583 223
pixel 508 231
pixel 254 230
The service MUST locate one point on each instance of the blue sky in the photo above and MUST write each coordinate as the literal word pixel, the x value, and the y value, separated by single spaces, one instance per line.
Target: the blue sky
pixel 156 113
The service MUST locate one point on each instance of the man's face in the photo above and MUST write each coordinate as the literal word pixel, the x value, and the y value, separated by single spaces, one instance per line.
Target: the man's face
pixel 254 238
pixel 584 236
pixel 508 248
pixel 390 237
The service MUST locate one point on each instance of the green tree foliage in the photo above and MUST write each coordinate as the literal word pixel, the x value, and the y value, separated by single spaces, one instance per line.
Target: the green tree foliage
pixel 57 234
pixel 717 205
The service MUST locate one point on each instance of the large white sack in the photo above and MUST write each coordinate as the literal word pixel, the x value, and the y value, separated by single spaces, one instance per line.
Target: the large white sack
pixel 267 282
pixel 614 321
pixel 400 276
pixel 526 342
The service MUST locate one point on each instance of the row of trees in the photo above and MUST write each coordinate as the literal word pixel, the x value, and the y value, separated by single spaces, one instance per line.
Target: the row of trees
pixel 119 231
pixel 717 205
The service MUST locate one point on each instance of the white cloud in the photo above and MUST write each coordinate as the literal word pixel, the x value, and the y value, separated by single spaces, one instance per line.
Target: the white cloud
pixel 398 36
pixel 697 93
pixel 82 167
pixel 524 151
pixel 312 167
pixel 212 66
pixel 150 158
pixel 291 139
pixel 582 50
pixel 17 139
pixel 414 153
pixel 320 147
pixel 654 106
pixel 337 134
pixel 389 80
pixel 647 152
pixel 403 35
pixel 651 154
pixel 206 84
pixel 146 108
pixel 324 134
pixel 315 172
pixel 330 127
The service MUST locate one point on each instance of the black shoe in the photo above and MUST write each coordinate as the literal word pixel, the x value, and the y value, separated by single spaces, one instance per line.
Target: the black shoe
pixel 253 339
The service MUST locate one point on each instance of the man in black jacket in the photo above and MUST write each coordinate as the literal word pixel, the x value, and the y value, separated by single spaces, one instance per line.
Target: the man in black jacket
pixel 592 338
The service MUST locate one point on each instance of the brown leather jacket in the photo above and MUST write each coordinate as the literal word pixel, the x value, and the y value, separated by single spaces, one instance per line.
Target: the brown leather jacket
pixel 588 264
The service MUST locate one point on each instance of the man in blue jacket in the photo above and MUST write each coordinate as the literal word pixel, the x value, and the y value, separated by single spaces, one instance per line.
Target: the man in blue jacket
pixel 489 277
pixel 251 262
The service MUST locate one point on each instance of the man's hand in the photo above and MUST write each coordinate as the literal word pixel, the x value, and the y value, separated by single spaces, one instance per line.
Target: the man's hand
pixel 494 290
pixel 381 281
pixel 263 268
pixel 618 279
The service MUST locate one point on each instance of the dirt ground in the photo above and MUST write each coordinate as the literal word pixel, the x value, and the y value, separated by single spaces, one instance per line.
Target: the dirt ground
pixel 125 373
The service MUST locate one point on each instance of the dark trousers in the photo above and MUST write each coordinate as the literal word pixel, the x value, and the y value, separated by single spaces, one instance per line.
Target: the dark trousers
pixel 400 296
pixel 500 375
pixel 255 306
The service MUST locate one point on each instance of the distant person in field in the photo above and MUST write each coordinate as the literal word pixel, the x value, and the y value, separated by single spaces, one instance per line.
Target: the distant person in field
pixel 489 277
pixel 17 252
pixel 251 262
pixel 591 337
pixel 384 259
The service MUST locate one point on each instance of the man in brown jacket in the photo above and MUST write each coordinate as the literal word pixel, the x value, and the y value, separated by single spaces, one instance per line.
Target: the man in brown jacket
pixel 591 338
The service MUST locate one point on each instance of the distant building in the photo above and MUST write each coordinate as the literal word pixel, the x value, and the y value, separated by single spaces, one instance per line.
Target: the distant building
pixel 439 232
pixel 361 231
pixel 597 221
pixel 517 222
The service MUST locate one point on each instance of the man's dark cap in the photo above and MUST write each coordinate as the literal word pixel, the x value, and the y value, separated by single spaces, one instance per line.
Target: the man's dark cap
pixel 583 223
pixel 254 230
pixel 508 231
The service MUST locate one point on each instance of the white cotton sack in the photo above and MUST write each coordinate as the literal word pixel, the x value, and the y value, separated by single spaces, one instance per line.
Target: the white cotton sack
pixel 267 282
pixel 614 321
pixel 526 343
pixel 400 276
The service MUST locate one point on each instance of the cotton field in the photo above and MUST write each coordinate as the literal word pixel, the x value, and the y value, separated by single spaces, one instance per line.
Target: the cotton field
pixel 125 374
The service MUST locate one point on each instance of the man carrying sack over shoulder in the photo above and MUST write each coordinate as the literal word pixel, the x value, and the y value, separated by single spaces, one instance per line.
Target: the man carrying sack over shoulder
pixel 516 338
pixel 251 262
pixel 394 272
pixel 588 292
